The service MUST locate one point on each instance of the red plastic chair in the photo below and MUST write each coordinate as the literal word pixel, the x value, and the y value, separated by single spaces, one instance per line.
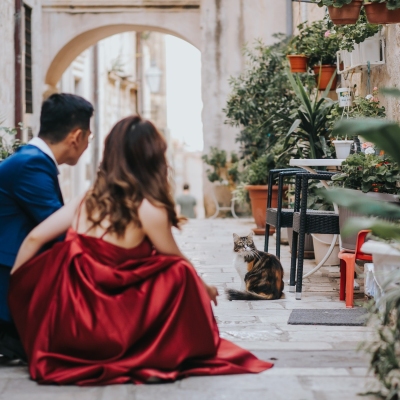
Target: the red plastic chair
pixel 347 269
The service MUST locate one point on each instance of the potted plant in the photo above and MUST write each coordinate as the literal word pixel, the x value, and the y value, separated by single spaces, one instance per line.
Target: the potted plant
pixel 342 12
pixel 383 11
pixel 258 96
pixel 368 106
pixel 223 174
pixel 298 61
pixel 321 47
pixel 349 35
pixel 308 123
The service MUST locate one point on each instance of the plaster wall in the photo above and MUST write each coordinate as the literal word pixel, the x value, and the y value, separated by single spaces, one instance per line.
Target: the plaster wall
pixel 7 63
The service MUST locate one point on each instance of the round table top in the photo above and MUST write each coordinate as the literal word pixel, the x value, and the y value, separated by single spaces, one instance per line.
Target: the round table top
pixel 316 162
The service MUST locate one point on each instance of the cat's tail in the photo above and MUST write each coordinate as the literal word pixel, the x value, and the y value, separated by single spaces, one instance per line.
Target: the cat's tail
pixel 233 294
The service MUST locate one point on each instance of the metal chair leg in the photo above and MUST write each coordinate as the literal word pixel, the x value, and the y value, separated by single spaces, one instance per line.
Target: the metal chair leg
pixel 299 282
pixel 292 283
pixel 278 242
pixel 266 239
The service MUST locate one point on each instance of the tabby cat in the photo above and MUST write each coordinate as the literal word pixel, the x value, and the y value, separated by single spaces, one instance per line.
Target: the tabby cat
pixel 261 273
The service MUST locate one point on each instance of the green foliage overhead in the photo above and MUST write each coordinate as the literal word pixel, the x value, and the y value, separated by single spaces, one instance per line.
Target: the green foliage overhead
pixel 334 3
pixel 390 4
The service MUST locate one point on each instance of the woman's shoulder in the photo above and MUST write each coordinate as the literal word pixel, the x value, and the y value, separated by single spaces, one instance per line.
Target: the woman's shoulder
pixel 149 211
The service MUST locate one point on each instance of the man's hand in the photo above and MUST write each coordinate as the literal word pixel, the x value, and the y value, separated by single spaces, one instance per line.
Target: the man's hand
pixel 213 293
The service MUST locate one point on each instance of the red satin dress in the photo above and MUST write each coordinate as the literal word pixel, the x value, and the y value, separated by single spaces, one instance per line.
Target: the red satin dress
pixel 92 313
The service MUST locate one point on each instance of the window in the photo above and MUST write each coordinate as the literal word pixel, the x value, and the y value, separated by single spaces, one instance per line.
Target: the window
pixel 28 61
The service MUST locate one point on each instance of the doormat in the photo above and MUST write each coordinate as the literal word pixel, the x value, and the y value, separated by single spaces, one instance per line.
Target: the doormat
pixel 346 317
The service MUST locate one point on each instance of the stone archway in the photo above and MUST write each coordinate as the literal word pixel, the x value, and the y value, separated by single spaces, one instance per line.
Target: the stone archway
pixel 86 29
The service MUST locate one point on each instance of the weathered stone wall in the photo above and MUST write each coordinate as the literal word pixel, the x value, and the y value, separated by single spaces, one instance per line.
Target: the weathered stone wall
pixel 7 63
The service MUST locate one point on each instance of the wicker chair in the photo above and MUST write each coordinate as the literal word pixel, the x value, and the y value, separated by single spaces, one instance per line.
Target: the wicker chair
pixel 278 217
pixel 307 221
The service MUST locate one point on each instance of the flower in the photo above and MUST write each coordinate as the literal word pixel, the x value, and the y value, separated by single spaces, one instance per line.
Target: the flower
pixel 375 88
pixel 327 33
pixel 370 150
pixel 365 145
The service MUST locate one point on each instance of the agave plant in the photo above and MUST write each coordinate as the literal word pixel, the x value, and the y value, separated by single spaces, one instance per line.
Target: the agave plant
pixel 308 123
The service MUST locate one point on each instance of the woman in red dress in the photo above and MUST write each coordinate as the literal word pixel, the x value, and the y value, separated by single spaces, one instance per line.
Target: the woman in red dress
pixel 117 301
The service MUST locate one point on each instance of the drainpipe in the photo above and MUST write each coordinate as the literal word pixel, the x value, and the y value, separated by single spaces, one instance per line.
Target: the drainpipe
pixel 18 106
pixel 96 104
pixel 289 18
pixel 139 73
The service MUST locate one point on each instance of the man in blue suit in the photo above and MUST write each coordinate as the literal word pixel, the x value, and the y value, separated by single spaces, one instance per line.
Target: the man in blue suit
pixel 30 191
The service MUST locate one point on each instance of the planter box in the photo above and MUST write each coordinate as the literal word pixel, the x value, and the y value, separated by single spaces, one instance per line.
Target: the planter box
pixel 372 50
pixel 349 242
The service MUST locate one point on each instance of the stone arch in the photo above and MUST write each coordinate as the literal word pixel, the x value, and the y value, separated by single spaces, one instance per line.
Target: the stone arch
pixel 62 48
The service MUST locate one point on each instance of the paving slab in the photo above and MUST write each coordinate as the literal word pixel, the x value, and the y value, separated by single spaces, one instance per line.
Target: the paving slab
pixel 311 362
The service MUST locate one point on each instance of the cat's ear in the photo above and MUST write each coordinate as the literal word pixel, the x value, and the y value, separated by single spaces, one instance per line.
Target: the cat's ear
pixel 235 237
pixel 250 235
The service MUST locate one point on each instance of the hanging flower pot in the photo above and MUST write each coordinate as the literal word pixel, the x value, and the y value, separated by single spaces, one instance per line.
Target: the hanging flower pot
pixel 377 13
pixel 348 14
pixel 323 75
pixel 298 62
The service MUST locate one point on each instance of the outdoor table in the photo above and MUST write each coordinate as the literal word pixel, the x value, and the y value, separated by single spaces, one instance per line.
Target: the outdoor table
pixel 311 165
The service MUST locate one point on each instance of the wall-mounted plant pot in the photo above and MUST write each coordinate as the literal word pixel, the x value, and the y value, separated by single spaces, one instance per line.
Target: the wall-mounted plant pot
pixel 348 14
pixel 342 148
pixel 326 74
pixel 377 13
pixel 298 62
pixel 258 198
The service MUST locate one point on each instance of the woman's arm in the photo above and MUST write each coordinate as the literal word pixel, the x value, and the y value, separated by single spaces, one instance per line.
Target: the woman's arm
pixel 157 227
pixel 48 230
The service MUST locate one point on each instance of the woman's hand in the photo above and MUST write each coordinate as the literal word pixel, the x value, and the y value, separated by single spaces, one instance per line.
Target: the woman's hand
pixel 213 293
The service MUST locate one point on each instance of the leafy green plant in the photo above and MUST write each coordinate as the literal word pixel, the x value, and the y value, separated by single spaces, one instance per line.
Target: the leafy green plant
pixel 390 4
pixel 223 170
pixel 308 123
pixel 368 106
pixel 318 43
pixel 334 3
pixel 257 96
pixel 8 143
pixel 369 173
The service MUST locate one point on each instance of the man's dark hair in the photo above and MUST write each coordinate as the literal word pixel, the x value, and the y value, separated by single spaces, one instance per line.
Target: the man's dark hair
pixel 186 186
pixel 61 113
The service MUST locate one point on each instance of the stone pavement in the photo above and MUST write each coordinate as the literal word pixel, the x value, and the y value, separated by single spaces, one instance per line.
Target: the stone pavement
pixel 311 362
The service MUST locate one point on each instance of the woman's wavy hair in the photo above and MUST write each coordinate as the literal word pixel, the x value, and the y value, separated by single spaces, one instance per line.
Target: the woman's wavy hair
pixel 134 167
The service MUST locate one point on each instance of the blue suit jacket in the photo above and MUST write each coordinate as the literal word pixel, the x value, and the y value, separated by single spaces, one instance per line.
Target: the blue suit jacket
pixel 29 193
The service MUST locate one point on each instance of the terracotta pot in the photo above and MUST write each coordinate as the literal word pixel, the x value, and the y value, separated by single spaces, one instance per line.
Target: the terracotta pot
pixel 298 62
pixel 326 74
pixel 346 15
pixel 258 197
pixel 377 13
